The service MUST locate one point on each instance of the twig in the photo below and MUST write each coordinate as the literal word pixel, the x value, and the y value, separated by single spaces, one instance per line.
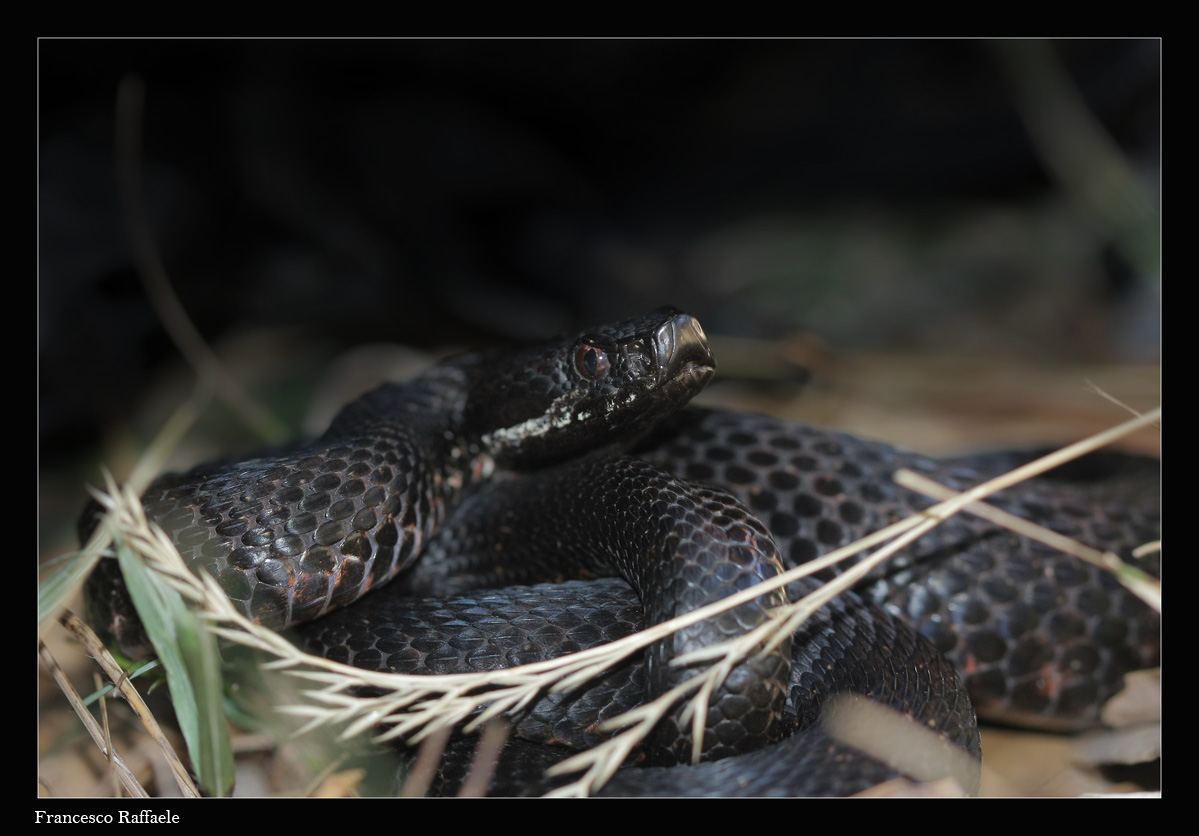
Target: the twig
pixel 95 648
pixel 1141 584
pixel 122 771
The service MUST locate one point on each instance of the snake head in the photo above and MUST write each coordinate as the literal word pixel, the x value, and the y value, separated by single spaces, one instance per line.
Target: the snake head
pixel 605 386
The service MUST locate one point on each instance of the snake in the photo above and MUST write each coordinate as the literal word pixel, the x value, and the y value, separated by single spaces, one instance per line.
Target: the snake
pixel 518 504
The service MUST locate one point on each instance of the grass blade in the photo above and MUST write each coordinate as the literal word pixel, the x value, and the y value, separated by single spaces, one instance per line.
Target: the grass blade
pixel 191 660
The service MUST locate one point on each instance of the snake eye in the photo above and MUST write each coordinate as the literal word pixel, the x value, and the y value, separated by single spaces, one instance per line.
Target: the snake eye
pixel 592 362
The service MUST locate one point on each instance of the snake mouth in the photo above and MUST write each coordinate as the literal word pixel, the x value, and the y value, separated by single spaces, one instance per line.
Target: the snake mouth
pixel 691 378
pixel 684 358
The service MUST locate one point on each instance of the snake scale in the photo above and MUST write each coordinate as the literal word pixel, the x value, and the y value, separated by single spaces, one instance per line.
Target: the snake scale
pixel 493 473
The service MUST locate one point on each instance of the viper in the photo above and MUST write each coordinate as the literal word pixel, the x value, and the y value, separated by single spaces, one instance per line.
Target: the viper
pixel 574 459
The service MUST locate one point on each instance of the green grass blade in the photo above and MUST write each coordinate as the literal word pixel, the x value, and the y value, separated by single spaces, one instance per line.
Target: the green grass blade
pixel 191 660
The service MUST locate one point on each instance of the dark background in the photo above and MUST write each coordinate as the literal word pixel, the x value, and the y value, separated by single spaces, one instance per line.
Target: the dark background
pixel 879 195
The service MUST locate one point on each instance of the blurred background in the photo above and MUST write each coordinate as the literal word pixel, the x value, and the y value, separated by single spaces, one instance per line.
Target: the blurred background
pixel 930 242
pixel 881 196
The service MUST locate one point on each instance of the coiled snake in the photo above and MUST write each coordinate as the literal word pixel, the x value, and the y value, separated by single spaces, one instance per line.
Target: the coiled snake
pixel 571 459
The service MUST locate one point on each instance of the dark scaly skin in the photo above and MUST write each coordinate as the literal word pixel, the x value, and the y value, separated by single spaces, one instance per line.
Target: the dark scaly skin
pixel 494 629
pixel 680 546
pixel 847 647
pixel 1041 638
pixel 293 537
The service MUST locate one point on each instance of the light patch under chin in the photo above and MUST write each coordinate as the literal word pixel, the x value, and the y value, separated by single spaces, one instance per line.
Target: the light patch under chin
pixel 614 404
pixel 532 428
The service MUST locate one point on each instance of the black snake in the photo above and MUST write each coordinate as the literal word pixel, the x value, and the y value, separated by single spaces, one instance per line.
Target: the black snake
pixel 490 464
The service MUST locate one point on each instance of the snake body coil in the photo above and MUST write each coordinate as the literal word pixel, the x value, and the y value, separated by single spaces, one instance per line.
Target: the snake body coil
pixel 502 468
